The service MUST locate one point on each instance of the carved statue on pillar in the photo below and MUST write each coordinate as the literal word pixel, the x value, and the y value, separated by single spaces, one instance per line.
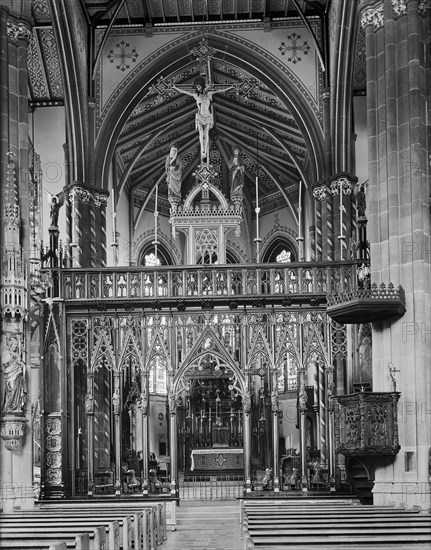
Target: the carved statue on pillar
pixel 89 403
pixel 302 395
pixel 13 369
pixel 143 401
pixel 116 401
pixel 172 401
pixel 56 202
pixel 236 168
pixel 174 173
pixel 246 401
pixel 361 202
pixel 274 400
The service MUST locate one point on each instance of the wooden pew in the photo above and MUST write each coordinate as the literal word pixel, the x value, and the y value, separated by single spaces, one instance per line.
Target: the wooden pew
pixel 283 525
pixel 82 542
pixel 147 526
pixel 122 539
pixel 126 524
pixel 37 540
pixel 152 532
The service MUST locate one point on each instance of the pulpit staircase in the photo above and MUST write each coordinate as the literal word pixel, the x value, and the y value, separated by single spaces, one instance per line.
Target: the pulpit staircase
pixel 359 480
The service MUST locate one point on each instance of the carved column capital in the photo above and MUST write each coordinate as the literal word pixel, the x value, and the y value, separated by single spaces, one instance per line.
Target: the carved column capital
pixel 399 7
pixel 373 16
pixel 342 184
pixel 80 193
pixel 321 192
pixel 424 5
pixel 100 200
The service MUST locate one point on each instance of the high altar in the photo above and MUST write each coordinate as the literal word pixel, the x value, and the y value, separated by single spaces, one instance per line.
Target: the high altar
pixel 214 421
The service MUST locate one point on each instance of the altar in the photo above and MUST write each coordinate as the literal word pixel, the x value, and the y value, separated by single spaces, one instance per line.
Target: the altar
pixel 214 458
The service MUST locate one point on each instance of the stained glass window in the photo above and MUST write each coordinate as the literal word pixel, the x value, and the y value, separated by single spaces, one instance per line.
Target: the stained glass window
pixel 157 381
pixel 283 257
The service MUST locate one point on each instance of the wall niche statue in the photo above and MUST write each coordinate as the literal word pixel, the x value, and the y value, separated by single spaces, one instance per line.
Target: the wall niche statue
pixel 13 369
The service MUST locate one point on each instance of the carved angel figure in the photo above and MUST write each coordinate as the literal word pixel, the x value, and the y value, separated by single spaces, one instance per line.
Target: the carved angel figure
pixel 56 202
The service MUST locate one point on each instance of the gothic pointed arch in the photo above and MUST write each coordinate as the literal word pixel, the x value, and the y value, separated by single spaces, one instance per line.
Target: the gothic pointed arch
pixel 103 345
pixel 157 348
pixel 315 346
pixel 235 50
pixel 260 356
pixel 209 353
pixel 288 357
pixel 131 351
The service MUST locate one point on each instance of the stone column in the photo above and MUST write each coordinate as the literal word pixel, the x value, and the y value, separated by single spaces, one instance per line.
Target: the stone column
pixel 246 407
pixel 54 435
pixel 174 452
pixel 330 429
pixel 116 407
pixel 143 407
pixel 324 240
pixel 341 189
pixel 100 203
pixel 275 432
pixel 81 235
pixel 89 409
pixel 398 100
pixel 303 430
pixel 16 468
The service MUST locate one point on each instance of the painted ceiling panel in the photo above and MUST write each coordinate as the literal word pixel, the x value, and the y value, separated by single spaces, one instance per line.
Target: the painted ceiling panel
pixel 185 7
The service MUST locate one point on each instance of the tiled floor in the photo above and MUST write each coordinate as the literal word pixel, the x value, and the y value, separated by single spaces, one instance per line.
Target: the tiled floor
pixel 205 526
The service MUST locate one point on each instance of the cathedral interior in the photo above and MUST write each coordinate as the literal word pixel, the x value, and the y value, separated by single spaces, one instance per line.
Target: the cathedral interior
pixel 215 249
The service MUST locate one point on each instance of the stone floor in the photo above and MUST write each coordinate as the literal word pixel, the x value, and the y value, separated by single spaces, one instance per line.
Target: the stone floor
pixel 205 525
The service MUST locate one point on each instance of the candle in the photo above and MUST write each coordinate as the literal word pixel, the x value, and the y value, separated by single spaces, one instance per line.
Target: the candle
pixel 114 215
pixel 257 192
pixel 299 209
pixel 341 208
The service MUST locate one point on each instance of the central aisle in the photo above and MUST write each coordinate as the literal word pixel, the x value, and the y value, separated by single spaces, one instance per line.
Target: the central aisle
pixel 206 525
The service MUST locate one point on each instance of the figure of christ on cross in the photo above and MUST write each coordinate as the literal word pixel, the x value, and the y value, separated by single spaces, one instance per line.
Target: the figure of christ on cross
pixel 204 117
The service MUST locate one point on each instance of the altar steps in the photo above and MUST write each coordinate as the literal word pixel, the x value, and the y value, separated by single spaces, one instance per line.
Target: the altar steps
pixel 194 514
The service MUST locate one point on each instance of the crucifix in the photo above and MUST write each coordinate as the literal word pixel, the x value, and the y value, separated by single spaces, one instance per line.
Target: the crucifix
pixel 392 371
pixel 202 90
